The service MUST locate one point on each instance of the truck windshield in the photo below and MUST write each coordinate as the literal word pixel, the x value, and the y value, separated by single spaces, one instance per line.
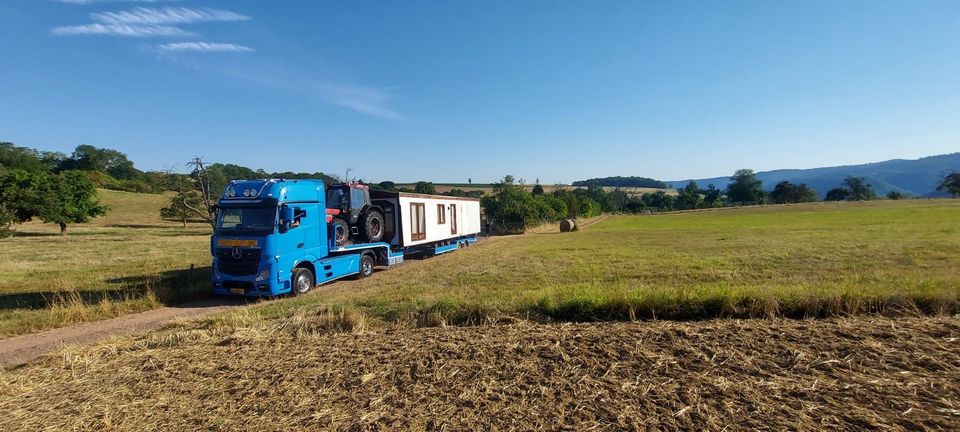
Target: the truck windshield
pixel 247 218
pixel 336 198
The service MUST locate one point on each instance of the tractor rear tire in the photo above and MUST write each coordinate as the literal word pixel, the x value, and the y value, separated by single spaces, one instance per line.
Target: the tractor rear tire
pixel 341 231
pixel 373 226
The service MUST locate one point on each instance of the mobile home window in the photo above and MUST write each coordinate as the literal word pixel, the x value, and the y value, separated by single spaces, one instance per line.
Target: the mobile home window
pixel 441 214
pixel 418 221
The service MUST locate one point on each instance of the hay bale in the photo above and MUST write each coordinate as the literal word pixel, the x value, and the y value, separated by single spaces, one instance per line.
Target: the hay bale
pixel 568 225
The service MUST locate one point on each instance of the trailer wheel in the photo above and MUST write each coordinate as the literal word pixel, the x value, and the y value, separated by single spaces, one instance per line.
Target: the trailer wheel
pixel 341 231
pixel 302 281
pixel 366 266
pixel 373 226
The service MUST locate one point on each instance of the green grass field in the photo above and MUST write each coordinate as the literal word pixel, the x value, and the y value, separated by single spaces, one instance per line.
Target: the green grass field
pixel 128 261
pixel 798 261
pixel 802 260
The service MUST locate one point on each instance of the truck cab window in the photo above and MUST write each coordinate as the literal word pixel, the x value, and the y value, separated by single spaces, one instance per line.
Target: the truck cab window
pixel 246 218
pixel 297 214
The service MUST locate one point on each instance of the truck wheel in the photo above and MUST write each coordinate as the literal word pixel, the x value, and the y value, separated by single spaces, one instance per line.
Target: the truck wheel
pixel 373 226
pixel 366 266
pixel 302 281
pixel 341 231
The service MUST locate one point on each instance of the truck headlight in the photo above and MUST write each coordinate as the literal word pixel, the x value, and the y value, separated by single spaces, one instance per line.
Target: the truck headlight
pixel 263 275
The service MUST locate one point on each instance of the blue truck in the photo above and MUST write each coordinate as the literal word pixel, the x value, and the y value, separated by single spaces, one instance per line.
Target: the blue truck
pixel 276 237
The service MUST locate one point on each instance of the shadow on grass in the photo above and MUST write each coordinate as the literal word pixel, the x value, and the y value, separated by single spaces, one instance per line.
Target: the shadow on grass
pixel 181 232
pixel 122 225
pixel 54 234
pixel 170 288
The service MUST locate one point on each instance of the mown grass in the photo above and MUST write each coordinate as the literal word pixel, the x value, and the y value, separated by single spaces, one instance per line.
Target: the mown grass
pixel 128 261
pixel 795 261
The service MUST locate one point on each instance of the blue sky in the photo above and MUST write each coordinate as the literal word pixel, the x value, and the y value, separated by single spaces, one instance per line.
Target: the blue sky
pixel 445 91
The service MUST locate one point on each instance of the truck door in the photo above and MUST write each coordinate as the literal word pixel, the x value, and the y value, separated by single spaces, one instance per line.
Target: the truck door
pixel 290 245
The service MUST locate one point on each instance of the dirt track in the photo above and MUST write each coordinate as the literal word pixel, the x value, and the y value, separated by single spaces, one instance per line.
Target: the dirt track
pixel 21 349
pixel 839 374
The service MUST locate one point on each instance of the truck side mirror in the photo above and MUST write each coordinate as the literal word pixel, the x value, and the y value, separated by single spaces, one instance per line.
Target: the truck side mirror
pixel 286 215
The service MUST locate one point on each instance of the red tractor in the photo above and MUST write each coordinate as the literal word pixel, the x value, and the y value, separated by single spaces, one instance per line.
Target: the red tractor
pixel 354 217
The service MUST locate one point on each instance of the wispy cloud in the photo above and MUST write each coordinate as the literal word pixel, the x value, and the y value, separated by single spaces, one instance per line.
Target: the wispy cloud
pixel 148 22
pixel 121 30
pixel 203 47
pixel 180 15
pixel 364 99
pixel 369 100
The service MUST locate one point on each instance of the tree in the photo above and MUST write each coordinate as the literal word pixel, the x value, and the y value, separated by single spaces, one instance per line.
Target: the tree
pixel 90 158
pixel 206 183
pixel 950 183
pixel 423 187
pixel 634 205
pixel 196 193
pixel 859 189
pixel 387 186
pixel 712 197
pixel 570 200
pixel 510 206
pixel 537 189
pixel 19 197
pixel 179 207
pixel 895 195
pixel 28 159
pixel 615 200
pixel 745 188
pixel 69 197
pixel 689 197
pixel 805 194
pixel 788 193
pixel 783 193
pixel 558 207
pixel 659 200
pixel 837 194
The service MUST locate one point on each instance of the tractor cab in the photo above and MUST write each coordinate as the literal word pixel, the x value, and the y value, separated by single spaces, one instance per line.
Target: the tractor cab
pixel 354 217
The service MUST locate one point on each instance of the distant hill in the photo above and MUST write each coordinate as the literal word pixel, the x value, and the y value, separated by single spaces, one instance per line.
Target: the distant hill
pixel 917 177
pixel 634 182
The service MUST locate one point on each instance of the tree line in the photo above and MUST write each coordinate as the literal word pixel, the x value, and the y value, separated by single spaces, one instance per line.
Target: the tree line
pixel 511 208
pixel 623 182
pixel 62 189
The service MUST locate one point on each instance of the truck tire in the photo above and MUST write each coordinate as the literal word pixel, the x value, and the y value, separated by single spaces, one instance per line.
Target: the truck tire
pixel 366 266
pixel 302 281
pixel 373 226
pixel 341 231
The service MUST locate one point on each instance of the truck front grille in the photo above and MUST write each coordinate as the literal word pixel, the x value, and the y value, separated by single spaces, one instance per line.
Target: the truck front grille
pixel 245 264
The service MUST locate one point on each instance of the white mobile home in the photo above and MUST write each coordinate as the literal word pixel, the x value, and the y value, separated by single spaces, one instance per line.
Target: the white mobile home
pixel 427 219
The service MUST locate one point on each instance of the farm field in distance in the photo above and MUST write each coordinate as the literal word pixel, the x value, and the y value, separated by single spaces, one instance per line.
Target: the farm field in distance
pixel 547 188
pixel 128 261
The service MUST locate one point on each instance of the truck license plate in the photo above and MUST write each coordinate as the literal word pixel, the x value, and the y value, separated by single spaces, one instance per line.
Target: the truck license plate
pixel 236 291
